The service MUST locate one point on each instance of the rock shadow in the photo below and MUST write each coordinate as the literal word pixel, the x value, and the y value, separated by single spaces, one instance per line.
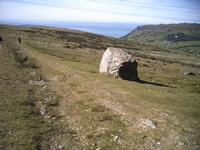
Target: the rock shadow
pixel 154 83
pixel 128 71
pixel 148 82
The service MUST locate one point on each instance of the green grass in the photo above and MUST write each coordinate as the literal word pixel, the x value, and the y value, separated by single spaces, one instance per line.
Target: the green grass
pixel 94 107
pixel 21 125
pixel 156 35
pixel 182 101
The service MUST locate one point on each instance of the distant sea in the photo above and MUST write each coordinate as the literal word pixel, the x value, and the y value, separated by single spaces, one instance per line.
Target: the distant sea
pixel 110 29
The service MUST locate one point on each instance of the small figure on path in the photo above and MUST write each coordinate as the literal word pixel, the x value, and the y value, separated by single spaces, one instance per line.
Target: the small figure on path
pixel 1 39
pixel 19 40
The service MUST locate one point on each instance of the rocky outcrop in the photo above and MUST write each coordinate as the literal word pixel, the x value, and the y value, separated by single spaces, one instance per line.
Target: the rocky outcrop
pixel 119 63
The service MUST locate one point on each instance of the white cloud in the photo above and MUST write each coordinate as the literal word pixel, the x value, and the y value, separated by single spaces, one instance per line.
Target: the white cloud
pixel 142 11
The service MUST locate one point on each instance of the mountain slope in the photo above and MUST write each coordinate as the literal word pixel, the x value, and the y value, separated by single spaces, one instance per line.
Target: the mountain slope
pixel 184 37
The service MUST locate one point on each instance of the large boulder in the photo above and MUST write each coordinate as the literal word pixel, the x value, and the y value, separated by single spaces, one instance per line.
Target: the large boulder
pixel 119 63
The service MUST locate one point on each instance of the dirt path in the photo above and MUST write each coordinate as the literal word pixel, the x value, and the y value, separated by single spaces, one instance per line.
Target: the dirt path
pixel 21 125
pixel 105 117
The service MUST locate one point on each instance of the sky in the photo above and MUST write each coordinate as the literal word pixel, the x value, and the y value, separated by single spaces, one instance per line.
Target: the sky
pixel 119 11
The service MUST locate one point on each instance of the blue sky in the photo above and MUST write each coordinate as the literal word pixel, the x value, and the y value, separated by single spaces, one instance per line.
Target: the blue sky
pixel 123 11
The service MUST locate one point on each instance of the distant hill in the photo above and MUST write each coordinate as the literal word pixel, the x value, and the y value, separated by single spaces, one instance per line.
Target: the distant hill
pixel 184 37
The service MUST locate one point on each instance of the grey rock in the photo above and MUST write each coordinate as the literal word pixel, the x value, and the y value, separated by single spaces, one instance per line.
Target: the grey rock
pixel 39 83
pixel 181 143
pixel 43 111
pixel 119 63
pixel 10 132
pixel 150 124
pixel 116 138
pixel 54 118
pixel 60 147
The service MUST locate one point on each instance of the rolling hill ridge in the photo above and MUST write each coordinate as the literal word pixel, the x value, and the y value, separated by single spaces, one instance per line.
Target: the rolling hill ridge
pixel 184 37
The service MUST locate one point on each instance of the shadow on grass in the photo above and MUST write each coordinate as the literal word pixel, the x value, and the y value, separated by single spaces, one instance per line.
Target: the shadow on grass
pixel 154 83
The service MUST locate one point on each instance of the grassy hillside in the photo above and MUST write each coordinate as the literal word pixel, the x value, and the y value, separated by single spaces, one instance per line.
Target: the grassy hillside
pixel 79 108
pixel 21 125
pixel 184 37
